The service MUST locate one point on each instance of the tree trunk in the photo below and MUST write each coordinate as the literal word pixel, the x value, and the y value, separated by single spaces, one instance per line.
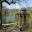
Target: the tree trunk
pixel 0 15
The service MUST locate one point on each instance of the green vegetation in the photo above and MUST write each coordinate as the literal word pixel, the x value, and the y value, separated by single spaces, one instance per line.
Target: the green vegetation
pixel 10 24
pixel 29 10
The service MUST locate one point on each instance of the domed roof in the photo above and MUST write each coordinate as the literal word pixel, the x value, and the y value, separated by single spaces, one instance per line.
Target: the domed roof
pixel 23 9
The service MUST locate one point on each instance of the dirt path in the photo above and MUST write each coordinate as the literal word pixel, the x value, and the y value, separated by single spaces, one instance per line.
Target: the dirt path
pixel 11 29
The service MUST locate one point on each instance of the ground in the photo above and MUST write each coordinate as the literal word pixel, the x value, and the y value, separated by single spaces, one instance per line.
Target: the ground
pixel 11 29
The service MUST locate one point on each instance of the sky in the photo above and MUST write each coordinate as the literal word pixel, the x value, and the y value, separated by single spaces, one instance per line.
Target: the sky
pixel 17 5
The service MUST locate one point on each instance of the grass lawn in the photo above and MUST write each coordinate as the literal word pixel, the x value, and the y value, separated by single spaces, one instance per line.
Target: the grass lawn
pixel 9 24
